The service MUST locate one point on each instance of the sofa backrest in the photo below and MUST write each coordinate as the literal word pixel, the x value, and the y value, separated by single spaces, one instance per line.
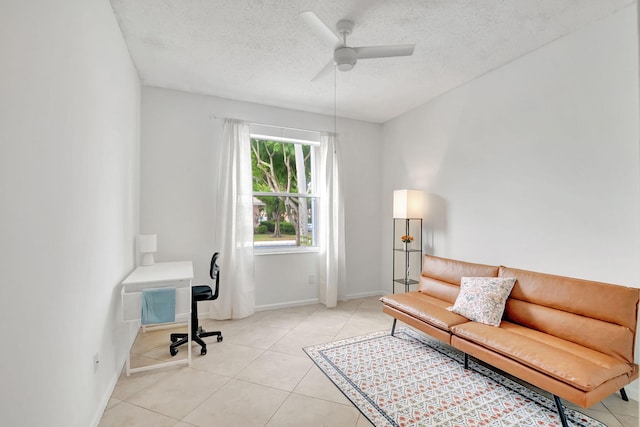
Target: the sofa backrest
pixel 596 315
pixel 441 277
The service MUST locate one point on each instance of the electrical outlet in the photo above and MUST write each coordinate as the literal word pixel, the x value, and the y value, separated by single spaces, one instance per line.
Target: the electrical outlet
pixel 96 362
pixel 312 279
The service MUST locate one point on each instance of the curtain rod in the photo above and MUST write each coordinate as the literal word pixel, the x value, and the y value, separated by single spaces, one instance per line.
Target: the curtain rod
pixel 214 117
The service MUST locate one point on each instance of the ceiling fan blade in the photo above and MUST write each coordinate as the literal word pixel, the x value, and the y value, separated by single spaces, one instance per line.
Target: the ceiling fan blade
pixel 366 52
pixel 320 27
pixel 324 71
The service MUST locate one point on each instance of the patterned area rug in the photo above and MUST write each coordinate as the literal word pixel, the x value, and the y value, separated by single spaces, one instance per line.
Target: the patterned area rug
pixel 410 380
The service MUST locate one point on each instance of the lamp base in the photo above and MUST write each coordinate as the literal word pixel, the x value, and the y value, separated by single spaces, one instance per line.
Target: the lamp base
pixel 147 259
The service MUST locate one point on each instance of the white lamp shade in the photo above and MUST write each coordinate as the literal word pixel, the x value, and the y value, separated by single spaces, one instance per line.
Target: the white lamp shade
pixel 147 243
pixel 407 204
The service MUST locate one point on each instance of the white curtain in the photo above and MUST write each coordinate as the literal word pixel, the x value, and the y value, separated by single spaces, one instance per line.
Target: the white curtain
pixel 331 266
pixel 233 225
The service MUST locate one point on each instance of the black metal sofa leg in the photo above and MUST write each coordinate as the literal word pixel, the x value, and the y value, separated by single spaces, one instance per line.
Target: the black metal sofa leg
pixel 393 328
pixel 466 361
pixel 623 394
pixel 563 418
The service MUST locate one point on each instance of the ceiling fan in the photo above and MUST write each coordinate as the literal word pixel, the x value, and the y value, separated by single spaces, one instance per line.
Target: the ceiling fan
pixel 345 57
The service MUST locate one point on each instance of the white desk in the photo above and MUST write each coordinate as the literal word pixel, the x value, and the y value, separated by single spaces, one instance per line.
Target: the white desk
pixel 162 274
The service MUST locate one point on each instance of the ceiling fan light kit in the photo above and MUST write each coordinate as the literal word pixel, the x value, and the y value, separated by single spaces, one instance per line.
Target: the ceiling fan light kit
pixel 344 58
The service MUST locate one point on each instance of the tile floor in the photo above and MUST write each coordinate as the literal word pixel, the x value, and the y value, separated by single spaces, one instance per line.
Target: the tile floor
pixel 259 375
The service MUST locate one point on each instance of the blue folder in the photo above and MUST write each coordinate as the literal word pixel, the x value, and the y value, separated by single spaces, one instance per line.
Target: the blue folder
pixel 158 305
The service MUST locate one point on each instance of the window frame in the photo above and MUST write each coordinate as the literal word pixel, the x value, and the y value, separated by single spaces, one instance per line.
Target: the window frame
pixel 312 196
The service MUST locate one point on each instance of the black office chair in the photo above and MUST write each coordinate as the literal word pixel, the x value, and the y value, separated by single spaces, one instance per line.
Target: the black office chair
pixel 199 293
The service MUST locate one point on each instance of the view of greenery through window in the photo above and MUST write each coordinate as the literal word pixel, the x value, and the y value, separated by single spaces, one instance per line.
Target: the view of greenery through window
pixel 283 202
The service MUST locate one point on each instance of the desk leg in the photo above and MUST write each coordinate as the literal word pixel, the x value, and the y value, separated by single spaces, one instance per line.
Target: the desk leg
pixel 189 327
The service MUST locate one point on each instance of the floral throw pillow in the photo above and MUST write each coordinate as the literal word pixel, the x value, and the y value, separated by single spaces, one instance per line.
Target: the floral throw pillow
pixel 482 299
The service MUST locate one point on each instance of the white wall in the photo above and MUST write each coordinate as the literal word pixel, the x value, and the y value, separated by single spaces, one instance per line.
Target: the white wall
pixel 180 143
pixel 69 134
pixel 535 165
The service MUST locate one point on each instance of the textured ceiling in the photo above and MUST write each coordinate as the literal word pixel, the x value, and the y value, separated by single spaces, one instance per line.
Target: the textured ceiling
pixel 263 51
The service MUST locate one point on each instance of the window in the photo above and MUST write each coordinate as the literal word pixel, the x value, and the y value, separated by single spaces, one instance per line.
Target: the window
pixel 284 199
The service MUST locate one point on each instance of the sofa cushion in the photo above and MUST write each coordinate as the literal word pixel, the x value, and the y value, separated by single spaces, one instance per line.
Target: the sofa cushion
pixel 563 360
pixel 596 315
pixel 425 308
pixel 483 298
pixel 440 277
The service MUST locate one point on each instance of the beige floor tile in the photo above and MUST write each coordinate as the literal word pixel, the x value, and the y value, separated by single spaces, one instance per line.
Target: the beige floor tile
pixel 178 394
pixel 344 308
pixel 374 315
pixel 363 422
pixel 231 327
pixel 615 404
pixel 156 356
pixel 362 326
pixel 128 415
pixel 310 412
pixel 226 358
pixel 348 306
pixel 265 349
pixel 162 354
pixel 324 322
pixel 307 308
pixel 316 384
pixel 371 303
pixel 254 318
pixel 127 386
pixel 278 370
pixel 238 403
pixel 595 407
pixel 628 421
pixel 227 327
pixel 146 341
pixel 294 341
pixel 603 416
pixel 112 402
pixel 258 336
pixel 153 339
pixel 286 318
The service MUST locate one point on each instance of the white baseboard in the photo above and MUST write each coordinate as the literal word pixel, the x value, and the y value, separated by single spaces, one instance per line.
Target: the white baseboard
pixel 362 295
pixel 180 321
pixel 265 307
pixel 133 328
pixel 287 304
pixel 104 401
pixel 632 390
pixel 299 303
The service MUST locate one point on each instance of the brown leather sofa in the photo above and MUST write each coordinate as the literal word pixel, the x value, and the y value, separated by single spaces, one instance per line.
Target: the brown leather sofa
pixel 573 338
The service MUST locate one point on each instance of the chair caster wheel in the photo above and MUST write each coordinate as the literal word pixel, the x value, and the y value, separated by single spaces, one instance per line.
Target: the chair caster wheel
pixel 219 338
pixel 173 351
pixel 203 351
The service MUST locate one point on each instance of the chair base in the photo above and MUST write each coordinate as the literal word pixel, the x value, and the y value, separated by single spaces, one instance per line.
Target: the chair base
pixel 198 293
pixel 178 339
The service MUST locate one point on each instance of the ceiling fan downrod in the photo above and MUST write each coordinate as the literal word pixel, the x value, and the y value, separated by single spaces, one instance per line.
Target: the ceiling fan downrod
pixel 344 56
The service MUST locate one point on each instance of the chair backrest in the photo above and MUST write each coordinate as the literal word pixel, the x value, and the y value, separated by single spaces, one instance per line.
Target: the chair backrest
pixel 214 268
pixel 214 273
